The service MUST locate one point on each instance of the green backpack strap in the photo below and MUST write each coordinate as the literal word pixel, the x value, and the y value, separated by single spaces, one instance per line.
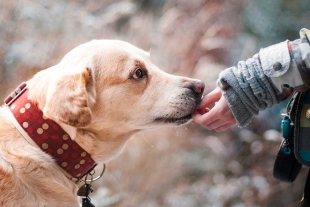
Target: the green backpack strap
pixel 302 129
pixel 286 166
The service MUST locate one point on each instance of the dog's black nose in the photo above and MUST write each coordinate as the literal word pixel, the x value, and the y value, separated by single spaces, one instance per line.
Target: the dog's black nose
pixel 198 87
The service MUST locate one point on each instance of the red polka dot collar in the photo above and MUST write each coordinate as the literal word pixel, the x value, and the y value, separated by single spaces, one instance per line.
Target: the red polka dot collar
pixel 47 134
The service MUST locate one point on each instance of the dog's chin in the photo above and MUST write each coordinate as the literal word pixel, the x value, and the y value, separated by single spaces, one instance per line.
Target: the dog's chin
pixel 174 120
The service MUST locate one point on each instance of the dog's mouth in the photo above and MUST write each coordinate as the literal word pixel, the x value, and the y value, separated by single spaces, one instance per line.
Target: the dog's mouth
pixel 174 120
pixel 181 112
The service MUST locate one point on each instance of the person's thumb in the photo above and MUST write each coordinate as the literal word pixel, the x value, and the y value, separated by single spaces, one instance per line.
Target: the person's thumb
pixel 210 98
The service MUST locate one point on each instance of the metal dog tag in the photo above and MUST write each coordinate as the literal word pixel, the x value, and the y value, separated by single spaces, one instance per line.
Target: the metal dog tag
pixel 82 191
pixel 85 190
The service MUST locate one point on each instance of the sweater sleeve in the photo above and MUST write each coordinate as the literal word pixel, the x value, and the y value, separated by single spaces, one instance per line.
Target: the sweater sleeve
pixel 247 90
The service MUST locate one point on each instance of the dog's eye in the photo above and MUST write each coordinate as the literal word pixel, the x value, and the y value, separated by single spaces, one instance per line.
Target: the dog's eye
pixel 139 73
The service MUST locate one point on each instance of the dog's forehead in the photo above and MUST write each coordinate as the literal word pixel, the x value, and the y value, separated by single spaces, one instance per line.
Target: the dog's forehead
pixel 117 50
pixel 112 61
pixel 123 54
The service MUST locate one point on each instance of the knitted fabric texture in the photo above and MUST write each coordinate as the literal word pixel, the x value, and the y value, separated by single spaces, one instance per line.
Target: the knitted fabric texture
pixel 247 90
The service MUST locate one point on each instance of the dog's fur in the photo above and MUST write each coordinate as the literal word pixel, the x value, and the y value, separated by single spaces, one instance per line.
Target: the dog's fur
pixel 99 98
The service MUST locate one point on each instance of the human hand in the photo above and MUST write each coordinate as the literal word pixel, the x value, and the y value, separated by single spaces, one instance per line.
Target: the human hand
pixel 220 117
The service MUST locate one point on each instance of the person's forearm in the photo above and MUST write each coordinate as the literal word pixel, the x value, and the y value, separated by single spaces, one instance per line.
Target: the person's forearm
pixel 267 78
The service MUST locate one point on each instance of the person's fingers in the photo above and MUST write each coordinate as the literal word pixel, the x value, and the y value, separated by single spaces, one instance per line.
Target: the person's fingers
pixel 210 98
pixel 220 120
pixel 203 111
pixel 203 119
pixel 220 125
pixel 206 119
pixel 219 115
pixel 209 121
pixel 224 127
pixel 213 121
pixel 218 112
pixel 198 117
pixel 215 124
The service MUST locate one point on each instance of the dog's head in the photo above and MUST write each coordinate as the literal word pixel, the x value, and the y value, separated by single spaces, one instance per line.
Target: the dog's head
pixel 111 88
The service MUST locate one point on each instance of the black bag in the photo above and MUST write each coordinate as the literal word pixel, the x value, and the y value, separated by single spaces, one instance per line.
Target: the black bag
pixel 286 166
pixel 294 150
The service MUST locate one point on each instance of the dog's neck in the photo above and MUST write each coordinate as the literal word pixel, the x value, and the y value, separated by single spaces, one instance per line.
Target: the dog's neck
pixel 47 134
pixel 102 146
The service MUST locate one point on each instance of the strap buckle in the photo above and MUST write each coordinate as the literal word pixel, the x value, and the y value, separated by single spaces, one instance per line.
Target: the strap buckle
pixel 15 94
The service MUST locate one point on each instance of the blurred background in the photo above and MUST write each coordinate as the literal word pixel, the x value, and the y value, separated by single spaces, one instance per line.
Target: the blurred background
pixel 174 167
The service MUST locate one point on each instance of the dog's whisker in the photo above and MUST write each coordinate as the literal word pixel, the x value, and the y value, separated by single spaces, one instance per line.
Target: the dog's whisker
pixel 176 131
pixel 147 141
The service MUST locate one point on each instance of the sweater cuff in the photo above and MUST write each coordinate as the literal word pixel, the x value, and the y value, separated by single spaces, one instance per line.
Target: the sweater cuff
pixel 239 110
pixel 243 116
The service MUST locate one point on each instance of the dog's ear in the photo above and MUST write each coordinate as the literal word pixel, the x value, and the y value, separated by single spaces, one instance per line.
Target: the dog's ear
pixel 69 100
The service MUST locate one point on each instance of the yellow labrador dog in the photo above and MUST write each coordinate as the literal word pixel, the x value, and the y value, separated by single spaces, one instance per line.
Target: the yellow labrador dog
pixel 81 112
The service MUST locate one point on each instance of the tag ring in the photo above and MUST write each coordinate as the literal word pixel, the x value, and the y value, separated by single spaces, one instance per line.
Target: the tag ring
pixel 93 172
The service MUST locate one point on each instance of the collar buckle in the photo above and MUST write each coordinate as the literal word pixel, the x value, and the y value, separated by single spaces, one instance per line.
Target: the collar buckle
pixel 15 94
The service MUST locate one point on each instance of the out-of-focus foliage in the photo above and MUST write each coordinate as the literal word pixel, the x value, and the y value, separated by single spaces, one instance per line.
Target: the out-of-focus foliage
pixel 174 167
pixel 271 21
